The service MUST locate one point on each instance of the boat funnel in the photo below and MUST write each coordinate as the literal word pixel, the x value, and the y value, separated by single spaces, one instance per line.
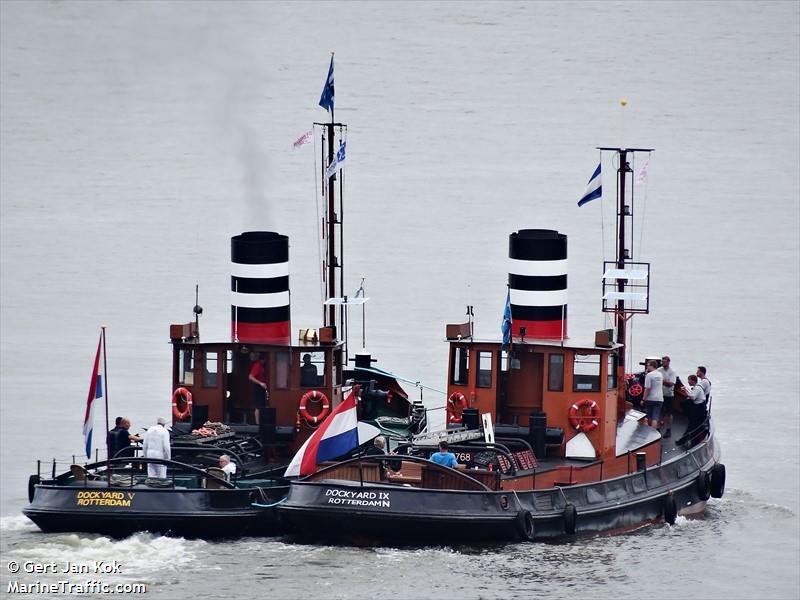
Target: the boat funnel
pixel 260 287
pixel 537 278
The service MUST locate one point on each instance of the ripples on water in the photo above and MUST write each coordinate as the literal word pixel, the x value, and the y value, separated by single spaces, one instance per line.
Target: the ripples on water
pixel 648 559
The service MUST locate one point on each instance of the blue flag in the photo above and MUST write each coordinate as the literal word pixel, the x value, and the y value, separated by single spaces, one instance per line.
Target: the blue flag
pixel 338 161
pixel 506 326
pixel 594 189
pixel 326 99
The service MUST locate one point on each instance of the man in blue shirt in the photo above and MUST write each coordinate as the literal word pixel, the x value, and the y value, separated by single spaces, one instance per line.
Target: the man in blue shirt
pixel 444 456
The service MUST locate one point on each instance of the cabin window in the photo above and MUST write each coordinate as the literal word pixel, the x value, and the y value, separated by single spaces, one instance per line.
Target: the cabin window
pixel 210 369
pixel 611 377
pixel 484 369
pixel 282 364
pixel 505 360
pixel 312 369
pixel 555 373
pixel 229 361
pixel 186 367
pixel 586 373
pixel 460 363
pixel 337 367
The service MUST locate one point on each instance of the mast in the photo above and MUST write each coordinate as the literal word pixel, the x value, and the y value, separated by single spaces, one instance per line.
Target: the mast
pixel 629 274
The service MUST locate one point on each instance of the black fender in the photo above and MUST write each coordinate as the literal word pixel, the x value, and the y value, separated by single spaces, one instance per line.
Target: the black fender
pixel 524 523
pixel 570 518
pixel 717 480
pixel 703 485
pixel 33 481
pixel 670 509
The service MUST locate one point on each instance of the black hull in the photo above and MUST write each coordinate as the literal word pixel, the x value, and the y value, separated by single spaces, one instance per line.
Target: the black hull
pixel 121 511
pixel 347 512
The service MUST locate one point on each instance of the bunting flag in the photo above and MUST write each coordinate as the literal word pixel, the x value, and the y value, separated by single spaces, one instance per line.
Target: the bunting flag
pixel 643 173
pixel 326 99
pixel 304 139
pixel 95 396
pixel 337 435
pixel 594 189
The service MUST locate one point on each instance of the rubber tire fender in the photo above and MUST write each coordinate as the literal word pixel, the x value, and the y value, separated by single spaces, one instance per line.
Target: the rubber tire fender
pixel 33 480
pixel 703 485
pixel 670 509
pixel 570 519
pixel 524 523
pixel 717 480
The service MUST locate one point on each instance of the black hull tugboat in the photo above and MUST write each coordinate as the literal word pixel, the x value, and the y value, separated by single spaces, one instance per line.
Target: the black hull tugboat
pixel 259 416
pixel 550 434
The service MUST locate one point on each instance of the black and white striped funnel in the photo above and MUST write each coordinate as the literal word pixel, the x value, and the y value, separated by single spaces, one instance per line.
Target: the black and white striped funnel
pixel 260 287
pixel 537 278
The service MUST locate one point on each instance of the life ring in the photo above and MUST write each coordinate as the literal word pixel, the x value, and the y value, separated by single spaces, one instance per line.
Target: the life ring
pixel 315 396
pixel 456 404
pixel 183 395
pixel 584 423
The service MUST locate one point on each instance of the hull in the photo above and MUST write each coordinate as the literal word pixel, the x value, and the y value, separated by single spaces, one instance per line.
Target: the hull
pixel 122 511
pixel 350 512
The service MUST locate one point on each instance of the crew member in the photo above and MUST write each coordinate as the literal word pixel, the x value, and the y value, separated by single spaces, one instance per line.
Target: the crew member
pixel 258 377
pixel 227 466
pixel 668 407
pixel 126 439
pixel 156 445
pixel 653 393
pixel 444 456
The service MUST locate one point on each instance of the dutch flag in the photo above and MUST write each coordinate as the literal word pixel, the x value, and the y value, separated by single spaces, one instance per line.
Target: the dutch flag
pixel 95 395
pixel 337 435
pixel 594 189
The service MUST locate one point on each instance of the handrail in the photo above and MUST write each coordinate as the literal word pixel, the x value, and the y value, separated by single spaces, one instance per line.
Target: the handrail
pixel 158 461
pixel 379 458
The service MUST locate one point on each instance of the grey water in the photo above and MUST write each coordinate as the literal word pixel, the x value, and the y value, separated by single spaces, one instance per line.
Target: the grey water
pixel 136 138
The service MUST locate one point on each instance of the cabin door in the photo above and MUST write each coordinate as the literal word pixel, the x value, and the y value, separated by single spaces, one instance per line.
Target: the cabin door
pixel 524 388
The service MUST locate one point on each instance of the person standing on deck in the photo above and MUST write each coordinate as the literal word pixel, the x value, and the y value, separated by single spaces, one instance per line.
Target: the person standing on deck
pixel 125 439
pixel 258 377
pixel 111 438
pixel 704 382
pixel 697 408
pixel 653 393
pixel 156 445
pixel 670 376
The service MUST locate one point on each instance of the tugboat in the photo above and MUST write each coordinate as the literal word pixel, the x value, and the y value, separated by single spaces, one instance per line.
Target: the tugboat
pixel 219 406
pixel 546 428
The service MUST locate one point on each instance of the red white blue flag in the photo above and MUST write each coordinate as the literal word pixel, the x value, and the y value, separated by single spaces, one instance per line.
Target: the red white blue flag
pixel 337 435
pixel 95 395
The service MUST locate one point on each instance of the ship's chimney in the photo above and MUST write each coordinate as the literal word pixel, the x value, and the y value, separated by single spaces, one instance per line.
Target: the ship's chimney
pixel 537 278
pixel 260 287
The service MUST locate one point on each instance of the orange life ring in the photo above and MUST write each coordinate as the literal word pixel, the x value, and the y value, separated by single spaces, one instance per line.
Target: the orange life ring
pixel 185 396
pixel 456 404
pixel 588 421
pixel 303 409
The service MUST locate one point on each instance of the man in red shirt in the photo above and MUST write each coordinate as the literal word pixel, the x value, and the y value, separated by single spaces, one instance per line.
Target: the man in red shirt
pixel 258 377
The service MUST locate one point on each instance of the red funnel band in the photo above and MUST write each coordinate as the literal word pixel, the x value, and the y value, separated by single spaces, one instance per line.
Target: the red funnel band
pixel 542 330
pixel 267 333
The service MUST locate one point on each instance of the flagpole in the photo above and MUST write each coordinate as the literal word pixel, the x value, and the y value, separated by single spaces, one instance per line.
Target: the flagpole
pixel 105 391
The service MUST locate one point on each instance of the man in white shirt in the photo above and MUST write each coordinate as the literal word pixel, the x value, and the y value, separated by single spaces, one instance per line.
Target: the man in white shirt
pixel 668 407
pixel 156 445
pixel 705 382
pixel 227 466
pixel 653 393
pixel 697 409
